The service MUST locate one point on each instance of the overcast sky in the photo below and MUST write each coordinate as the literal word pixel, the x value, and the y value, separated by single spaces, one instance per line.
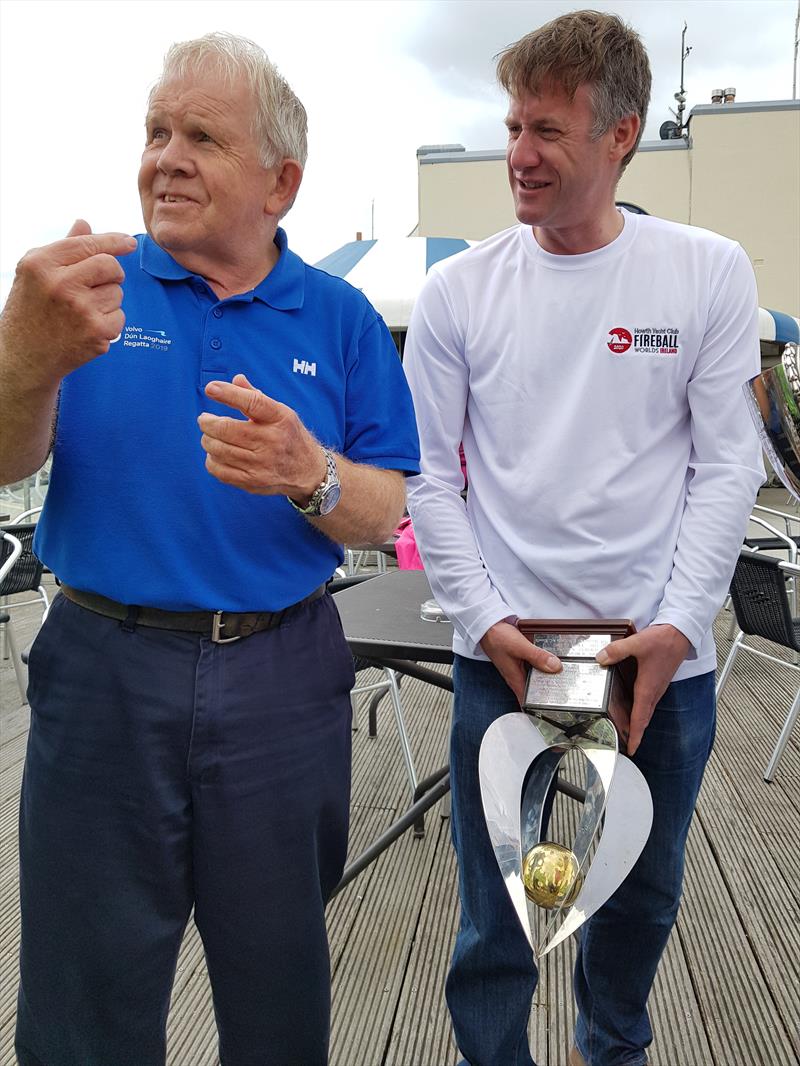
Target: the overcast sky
pixel 378 78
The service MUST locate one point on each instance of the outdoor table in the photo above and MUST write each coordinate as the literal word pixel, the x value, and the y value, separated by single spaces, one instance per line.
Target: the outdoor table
pixel 381 621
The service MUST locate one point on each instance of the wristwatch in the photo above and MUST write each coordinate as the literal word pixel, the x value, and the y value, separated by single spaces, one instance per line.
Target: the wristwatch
pixel 326 496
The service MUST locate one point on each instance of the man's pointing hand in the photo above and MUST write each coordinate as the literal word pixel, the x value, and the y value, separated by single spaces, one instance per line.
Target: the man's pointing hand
pixel 270 452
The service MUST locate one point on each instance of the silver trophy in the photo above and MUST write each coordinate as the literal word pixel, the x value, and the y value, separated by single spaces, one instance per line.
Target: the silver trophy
pixel 773 397
pixel 570 714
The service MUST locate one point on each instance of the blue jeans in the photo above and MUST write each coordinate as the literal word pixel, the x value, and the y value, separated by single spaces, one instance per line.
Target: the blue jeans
pixel 493 974
pixel 164 773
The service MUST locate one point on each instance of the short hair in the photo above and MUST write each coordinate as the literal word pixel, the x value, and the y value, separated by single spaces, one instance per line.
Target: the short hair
pixel 280 123
pixel 583 48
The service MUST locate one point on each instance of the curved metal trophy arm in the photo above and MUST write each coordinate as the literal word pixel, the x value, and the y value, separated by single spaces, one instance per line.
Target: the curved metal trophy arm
pixel 773 397
pixel 519 759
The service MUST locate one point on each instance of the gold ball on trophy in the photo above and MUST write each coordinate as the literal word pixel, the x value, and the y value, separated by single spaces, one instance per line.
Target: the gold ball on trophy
pixel 551 875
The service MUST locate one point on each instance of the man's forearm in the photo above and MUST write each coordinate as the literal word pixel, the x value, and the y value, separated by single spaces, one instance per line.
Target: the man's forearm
pixel 27 416
pixel 371 505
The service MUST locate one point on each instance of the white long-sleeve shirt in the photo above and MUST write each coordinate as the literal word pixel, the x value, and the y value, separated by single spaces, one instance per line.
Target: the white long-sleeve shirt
pixel 611 460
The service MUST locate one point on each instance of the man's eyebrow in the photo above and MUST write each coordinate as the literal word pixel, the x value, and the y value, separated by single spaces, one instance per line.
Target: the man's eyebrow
pixel 545 120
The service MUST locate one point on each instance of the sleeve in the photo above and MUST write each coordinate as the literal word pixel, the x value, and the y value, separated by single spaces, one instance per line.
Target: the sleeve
pixel 438 374
pixel 725 464
pixel 380 428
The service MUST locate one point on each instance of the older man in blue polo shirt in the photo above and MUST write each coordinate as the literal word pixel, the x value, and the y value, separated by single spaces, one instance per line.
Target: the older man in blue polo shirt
pixel 221 417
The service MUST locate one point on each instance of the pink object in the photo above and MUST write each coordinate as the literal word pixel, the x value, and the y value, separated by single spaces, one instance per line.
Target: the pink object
pixel 406 547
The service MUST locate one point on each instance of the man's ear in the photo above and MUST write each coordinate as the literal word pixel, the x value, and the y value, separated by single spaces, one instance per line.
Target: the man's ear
pixel 624 135
pixel 286 178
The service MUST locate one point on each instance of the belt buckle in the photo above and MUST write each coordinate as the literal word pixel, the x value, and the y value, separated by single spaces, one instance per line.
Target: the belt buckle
pixel 216 630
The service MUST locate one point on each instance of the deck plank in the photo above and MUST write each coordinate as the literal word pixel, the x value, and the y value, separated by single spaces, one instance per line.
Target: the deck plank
pixel 726 991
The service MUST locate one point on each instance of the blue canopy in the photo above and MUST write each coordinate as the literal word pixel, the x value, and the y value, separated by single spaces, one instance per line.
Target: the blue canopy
pixel 390 271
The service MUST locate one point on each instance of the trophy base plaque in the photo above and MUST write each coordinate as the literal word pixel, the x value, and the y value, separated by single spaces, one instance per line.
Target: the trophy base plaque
pixel 583 689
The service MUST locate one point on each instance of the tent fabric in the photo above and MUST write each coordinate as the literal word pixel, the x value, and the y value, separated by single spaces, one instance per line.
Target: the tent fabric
pixel 391 271
pixel 777 326
pixel 342 261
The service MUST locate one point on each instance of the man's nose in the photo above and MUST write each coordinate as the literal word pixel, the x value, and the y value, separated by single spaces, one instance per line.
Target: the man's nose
pixel 176 157
pixel 524 152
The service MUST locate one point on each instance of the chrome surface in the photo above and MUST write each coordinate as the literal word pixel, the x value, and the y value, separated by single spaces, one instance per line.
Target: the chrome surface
pixel 519 758
pixel 773 397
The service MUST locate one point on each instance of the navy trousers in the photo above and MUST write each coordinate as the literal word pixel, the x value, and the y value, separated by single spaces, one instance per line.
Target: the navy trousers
pixel 166 772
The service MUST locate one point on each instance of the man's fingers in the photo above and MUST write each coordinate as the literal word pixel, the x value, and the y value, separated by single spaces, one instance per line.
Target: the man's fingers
pixel 114 323
pixel 544 661
pixel 79 228
pixel 224 453
pixel 97 270
pixel 251 402
pixel 639 722
pixel 81 246
pixel 616 651
pixel 107 298
pixel 234 431
pixel 539 659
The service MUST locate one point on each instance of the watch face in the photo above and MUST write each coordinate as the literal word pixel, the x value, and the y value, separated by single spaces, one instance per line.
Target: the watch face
pixel 330 499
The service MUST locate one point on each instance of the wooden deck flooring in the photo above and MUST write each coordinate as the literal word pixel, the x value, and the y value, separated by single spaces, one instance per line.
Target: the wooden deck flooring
pixel 728 991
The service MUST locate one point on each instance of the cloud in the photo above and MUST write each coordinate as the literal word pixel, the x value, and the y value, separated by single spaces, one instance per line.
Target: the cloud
pixel 733 42
pixel 378 80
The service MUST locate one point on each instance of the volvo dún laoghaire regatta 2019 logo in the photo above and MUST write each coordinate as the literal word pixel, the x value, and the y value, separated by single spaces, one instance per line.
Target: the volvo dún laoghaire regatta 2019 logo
pixel 141 337
pixel 652 340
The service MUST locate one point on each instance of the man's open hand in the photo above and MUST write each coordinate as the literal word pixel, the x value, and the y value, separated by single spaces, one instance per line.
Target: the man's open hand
pixel 64 307
pixel 269 453
pixel 659 651
pixel 512 653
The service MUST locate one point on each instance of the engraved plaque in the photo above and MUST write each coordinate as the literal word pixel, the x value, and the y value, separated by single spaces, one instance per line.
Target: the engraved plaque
pixel 573 645
pixel 583 689
pixel 580 686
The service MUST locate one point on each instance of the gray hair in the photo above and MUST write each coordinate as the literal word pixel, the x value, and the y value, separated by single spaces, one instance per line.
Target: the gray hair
pixel 280 124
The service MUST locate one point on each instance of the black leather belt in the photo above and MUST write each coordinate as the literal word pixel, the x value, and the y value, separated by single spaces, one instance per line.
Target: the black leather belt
pixel 220 626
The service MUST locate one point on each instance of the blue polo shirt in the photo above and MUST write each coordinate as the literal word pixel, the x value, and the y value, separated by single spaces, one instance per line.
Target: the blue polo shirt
pixel 132 513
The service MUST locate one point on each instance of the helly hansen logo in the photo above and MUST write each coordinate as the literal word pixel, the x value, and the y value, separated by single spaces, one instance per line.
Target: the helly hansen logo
pixel 301 366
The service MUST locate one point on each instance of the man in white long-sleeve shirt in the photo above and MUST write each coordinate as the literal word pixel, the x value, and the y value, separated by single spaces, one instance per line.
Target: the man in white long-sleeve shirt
pixel 592 363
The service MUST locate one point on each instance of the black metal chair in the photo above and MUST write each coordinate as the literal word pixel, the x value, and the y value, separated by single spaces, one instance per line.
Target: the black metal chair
pixel 762 608
pixel 776 541
pixel 10 554
pixel 24 576
pixel 10 551
pixel 787 541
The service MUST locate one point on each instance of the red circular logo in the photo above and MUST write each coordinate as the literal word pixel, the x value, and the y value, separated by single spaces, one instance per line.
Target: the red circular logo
pixel 620 340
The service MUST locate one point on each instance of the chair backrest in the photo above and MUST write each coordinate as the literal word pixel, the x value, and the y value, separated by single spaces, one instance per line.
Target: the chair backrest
pixel 26 574
pixel 760 601
pixel 10 551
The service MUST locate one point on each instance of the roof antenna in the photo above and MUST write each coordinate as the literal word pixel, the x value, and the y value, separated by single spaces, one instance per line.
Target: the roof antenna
pixel 673 130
